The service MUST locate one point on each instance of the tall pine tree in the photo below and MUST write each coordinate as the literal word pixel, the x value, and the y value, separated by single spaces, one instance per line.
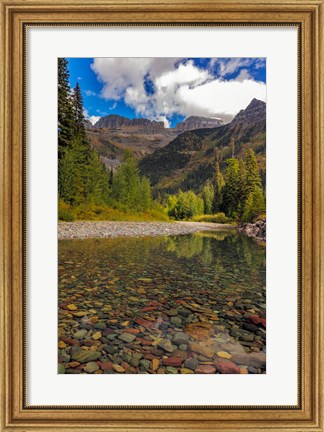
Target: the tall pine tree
pixel 231 191
pixel 65 109
pixel 253 179
pixel 78 117
pixel 218 189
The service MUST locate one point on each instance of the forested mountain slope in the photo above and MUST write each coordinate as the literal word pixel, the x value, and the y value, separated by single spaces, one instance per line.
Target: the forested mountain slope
pixel 188 161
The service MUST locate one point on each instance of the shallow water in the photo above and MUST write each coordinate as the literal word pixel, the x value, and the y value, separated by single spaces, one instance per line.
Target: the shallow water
pixel 177 304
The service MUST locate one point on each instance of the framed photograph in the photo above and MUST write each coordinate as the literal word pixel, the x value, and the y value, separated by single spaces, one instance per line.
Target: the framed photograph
pixel 161 215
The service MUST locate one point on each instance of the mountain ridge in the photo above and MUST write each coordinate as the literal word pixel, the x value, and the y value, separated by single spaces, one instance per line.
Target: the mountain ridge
pixel 187 162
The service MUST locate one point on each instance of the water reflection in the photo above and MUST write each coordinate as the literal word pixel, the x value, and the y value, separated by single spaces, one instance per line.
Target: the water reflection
pixel 176 304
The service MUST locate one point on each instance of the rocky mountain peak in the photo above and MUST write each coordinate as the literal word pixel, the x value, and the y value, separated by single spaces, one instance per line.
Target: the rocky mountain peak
pixel 197 122
pixel 255 112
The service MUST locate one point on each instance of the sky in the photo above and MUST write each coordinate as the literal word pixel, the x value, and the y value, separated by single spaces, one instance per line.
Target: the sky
pixel 168 89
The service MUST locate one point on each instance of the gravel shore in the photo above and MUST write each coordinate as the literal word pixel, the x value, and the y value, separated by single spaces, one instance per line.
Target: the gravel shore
pixel 82 230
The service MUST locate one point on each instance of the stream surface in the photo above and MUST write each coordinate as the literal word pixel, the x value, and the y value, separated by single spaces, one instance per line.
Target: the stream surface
pixel 186 304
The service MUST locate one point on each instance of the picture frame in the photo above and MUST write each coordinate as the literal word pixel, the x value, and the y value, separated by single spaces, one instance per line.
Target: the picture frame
pixel 16 16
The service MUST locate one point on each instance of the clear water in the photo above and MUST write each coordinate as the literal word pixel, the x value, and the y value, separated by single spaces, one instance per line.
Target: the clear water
pixel 174 283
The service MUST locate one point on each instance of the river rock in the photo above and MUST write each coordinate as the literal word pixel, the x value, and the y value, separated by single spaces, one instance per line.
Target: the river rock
pixel 91 367
pixel 166 345
pixel 227 367
pixel 191 363
pixel 127 337
pixel 86 356
pixel 205 369
pixel 180 338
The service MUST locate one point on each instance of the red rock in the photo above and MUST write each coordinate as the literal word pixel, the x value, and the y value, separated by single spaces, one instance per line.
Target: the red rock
pixel 148 356
pixel 154 303
pixel 125 365
pixel 144 341
pixel 173 361
pixel 180 354
pixel 143 322
pixel 205 369
pixel 71 341
pixel 256 360
pixel 254 319
pixel 133 331
pixel 105 365
pixel 149 308
pixel 227 367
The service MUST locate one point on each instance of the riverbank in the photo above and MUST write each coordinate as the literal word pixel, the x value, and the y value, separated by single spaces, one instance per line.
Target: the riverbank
pixel 83 230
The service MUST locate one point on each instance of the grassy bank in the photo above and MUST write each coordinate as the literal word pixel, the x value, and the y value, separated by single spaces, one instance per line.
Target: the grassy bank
pixel 93 212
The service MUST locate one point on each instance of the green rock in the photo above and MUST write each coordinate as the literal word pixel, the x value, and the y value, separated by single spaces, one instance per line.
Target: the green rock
pixel 166 345
pixel 91 367
pixel 180 338
pixel 127 337
pixel 61 368
pixel 171 370
pixel 86 356
pixel 80 334
pixel 191 363
pixel 176 321
pixel 172 312
pixel 145 363
pixel 100 326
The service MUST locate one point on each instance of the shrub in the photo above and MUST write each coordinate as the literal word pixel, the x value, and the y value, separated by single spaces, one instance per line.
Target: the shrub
pixel 65 212
pixel 215 218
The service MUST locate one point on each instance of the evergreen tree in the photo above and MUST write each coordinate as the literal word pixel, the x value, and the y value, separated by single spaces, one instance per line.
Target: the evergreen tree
pixel 82 178
pixel 129 188
pixel 231 190
pixel 78 117
pixel 145 194
pixel 65 110
pixel 253 179
pixel 242 193
pixel 254 205
pixel 71 176
pixel 219 184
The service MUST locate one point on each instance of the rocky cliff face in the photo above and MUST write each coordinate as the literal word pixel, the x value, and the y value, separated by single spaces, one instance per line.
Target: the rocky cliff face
pixel 254 113
pixel 196 122
pixel 136 125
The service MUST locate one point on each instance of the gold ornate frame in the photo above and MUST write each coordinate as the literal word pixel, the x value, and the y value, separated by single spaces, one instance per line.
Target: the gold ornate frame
pixel 15 415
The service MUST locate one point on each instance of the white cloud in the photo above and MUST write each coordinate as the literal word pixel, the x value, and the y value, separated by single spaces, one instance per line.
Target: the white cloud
pixel 92 119
pixel 179 87
pixel 89 93
pixel 243 75
pixel 227 67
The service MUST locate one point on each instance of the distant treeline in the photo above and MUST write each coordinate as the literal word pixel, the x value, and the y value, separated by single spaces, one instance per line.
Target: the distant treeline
pixel 237 194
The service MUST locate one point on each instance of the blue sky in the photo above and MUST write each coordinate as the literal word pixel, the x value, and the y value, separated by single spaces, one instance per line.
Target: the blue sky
pixel 168 89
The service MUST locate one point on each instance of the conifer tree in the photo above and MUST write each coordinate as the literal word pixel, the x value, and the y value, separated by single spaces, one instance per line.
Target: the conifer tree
pixel 65 110
pixel 231 191
pixel 253 179
pixel 219 184
pixel 78 117
pixel 254 205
